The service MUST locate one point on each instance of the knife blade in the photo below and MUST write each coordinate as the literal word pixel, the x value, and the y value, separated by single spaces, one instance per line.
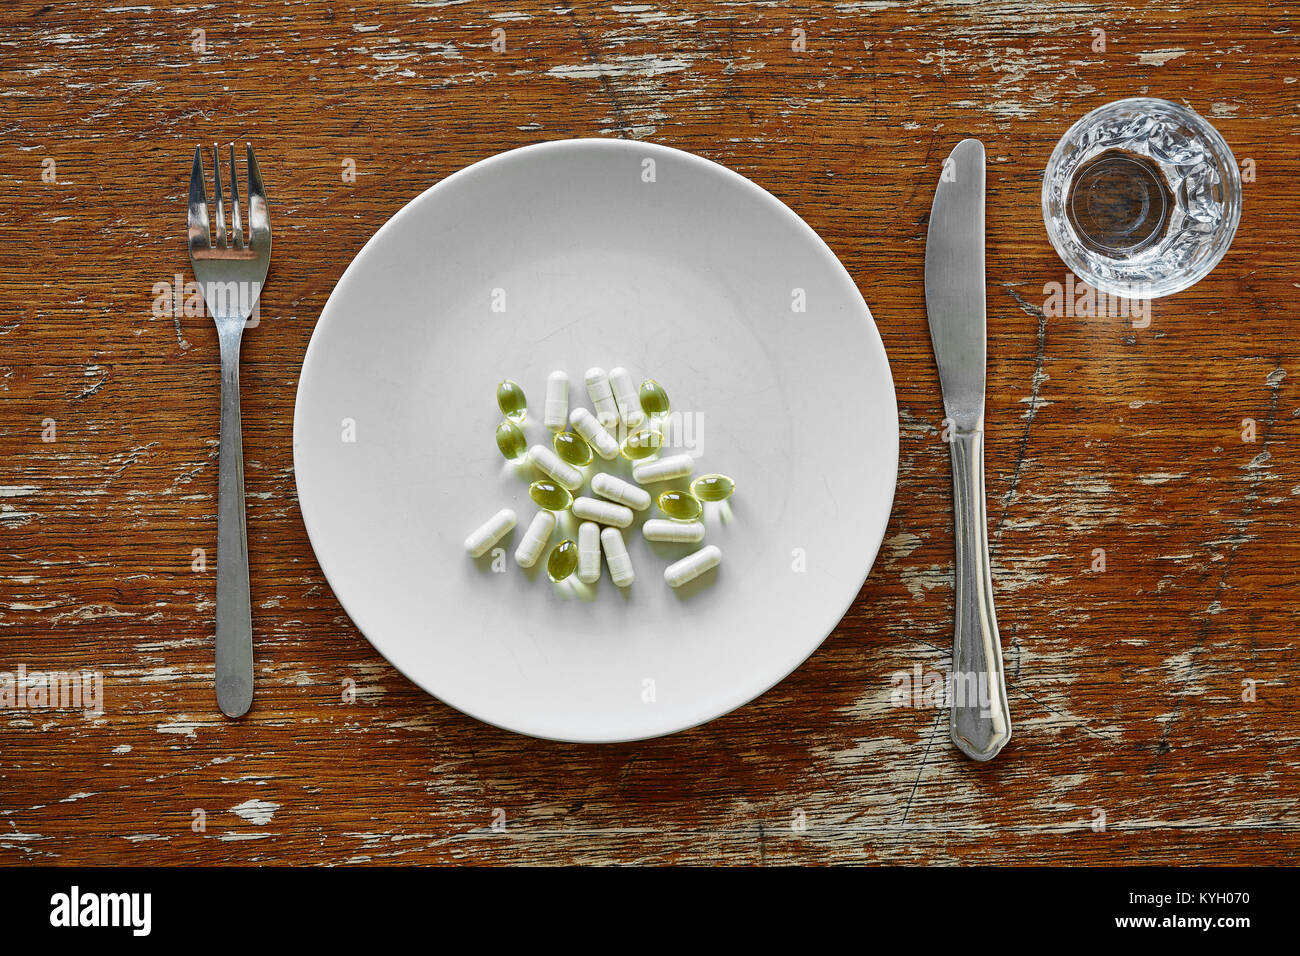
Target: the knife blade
pixel 954 283
pixel 980 721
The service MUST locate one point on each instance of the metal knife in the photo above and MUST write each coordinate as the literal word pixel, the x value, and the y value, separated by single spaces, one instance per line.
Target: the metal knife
pixel 954 301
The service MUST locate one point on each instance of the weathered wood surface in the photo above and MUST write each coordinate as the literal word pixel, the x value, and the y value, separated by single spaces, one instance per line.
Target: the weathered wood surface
pixel 1126 684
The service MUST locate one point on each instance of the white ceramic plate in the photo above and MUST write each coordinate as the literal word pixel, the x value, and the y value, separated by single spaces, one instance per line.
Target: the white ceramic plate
pixel 605 252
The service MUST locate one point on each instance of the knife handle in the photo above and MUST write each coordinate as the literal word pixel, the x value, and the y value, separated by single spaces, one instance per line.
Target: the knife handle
pixel 981 721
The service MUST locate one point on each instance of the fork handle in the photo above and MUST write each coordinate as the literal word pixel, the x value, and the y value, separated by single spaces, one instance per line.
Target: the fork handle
pixel 980 721
pixel 234 606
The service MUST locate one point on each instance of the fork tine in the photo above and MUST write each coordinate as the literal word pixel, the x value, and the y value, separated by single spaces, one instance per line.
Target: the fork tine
pixel 199 235
pixel 221 206
pixel 235 224
pixel 259 220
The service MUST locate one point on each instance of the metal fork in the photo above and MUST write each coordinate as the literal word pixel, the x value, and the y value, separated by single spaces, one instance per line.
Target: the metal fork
pixel 230 273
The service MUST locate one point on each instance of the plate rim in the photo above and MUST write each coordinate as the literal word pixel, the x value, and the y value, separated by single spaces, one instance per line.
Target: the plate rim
pixel 611 144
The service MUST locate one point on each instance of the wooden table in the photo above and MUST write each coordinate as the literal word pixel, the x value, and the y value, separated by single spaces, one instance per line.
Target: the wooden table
pixel 1155 700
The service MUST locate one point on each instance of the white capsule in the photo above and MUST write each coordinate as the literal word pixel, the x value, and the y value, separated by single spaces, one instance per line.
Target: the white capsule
pixel 548 463
pixel 624 492
pixel 602 397
pixel 678 532
pixel 602 512
pixel 663 469
pixel 692 566
pixel 588 552
pixel 556 414
pixel 585 424
pixel 625 395
pixel 490 532
pixel 535 538
pixel 616 556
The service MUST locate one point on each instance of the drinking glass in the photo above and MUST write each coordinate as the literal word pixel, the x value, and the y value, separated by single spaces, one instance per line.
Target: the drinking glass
pixel 1141 198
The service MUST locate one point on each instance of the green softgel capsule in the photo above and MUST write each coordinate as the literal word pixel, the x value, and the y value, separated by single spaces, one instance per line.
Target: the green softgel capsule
pixel 549 495
pixel 572 449
pixel 513 404
pixel 563 560
pixel 712 487
pixel 681 505
pixel 654 400
pixel 511 441
pixel 641 444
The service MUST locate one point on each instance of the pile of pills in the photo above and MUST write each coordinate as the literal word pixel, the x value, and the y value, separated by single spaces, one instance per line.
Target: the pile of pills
pixel 638 414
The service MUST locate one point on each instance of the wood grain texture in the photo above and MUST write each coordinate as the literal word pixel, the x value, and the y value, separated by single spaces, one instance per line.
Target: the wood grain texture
pixel 1126 685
